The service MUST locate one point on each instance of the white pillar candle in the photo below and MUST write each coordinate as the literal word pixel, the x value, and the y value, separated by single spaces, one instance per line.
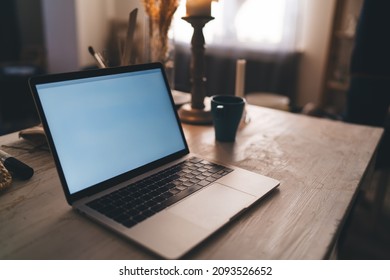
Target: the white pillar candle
pixel 198 7
pixel 240 77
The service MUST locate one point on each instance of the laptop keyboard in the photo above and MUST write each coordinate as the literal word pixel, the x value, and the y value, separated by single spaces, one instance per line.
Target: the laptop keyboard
pixel 138 201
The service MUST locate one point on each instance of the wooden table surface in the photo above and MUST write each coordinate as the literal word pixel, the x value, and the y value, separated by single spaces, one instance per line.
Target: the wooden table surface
pixel 321 165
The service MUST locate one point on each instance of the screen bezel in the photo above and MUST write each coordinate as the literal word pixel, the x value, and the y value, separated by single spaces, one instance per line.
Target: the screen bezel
pixel 91 190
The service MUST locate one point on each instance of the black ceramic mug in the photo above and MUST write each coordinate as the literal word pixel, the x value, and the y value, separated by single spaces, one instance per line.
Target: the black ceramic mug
pixel 227 113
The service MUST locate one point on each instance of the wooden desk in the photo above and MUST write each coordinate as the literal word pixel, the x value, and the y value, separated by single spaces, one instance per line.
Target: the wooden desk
pixel 321 165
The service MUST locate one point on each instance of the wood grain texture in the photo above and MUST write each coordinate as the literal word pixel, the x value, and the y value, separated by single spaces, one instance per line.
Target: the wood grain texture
pixel 321 165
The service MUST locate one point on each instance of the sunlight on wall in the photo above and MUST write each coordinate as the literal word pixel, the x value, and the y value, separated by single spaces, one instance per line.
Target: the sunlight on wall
pixel 236 22
pixel 260 21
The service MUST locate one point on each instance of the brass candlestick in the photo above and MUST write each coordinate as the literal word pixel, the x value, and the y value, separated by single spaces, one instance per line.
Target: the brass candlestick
pixel 197 112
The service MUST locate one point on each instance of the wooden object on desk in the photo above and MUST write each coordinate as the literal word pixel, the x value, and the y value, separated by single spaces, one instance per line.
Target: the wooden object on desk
pixel 321 165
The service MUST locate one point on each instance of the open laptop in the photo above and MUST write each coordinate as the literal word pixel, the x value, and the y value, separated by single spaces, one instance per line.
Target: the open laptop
pixel 123 160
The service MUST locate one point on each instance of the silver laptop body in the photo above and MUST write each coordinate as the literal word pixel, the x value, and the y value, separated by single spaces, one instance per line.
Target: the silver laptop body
pixel 115 132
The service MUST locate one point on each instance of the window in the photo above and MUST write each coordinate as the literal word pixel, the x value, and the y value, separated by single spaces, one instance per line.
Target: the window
pixel 256 24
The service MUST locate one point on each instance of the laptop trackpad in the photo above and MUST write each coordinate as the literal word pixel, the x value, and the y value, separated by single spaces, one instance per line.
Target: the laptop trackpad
pixel 213 206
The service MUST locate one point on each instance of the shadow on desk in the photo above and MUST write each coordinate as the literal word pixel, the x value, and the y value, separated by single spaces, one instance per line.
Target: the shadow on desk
pixel 367 233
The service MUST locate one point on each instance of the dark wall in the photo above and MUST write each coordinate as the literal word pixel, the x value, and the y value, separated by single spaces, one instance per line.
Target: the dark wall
pixel 21 56
pixel 30 22
pixel 9 32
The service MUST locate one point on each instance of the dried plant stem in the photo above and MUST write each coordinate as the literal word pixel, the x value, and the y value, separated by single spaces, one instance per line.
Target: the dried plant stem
pixel 160 13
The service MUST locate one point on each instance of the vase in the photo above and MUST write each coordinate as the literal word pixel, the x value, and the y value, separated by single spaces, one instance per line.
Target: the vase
pixel 161 48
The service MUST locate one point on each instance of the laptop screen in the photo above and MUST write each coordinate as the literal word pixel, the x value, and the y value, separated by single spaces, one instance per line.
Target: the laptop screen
pixel 105 126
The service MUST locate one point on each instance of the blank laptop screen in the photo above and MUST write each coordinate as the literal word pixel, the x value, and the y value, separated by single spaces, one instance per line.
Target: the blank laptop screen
pixel 105 126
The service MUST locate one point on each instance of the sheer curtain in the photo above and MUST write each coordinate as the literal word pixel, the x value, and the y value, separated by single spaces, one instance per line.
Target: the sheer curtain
pixel 264 32
pixel 269 25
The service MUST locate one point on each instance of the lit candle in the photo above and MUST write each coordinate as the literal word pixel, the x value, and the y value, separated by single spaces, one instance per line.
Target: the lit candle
pixel 198 8
pixel 240 77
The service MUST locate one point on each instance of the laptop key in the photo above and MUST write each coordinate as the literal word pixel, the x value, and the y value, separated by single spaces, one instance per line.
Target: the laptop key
pixel 211 179
pixel 175 177
pixel 174 191
pixel 183 179
pixel 194 180
pixel 129 223
pixel 215 169
pixel 181 188
pixel 141 207
pixel 158 207
pixel 181 195
pixel 159 199
pixel 114 213
pixel 167 194
pixel 177 183
pixel 204 183
pixel 147 213
pixel 137 201
pixel 150 203
pixel 105 208
pixel 226 171
pixel 188 184
pixel 121 218
pixel 138 218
